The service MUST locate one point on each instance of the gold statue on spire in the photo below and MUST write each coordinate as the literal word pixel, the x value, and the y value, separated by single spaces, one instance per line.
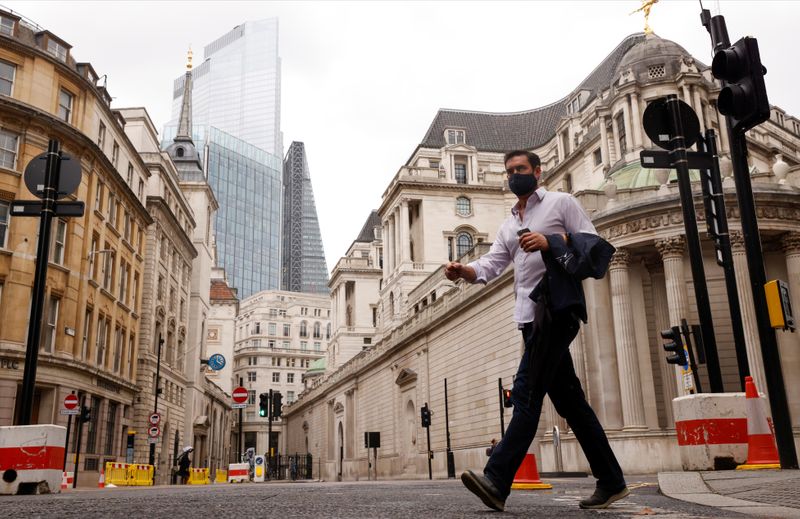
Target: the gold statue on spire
pixel 645 8
pixel 189 59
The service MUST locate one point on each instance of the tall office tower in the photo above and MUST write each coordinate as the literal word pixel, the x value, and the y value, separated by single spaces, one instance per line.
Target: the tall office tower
pixel 237 88
pixel 303 263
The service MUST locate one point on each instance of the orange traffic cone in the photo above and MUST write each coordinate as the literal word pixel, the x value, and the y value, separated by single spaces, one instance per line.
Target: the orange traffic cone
pixel 527 476
pixel 101 483
pixel 762 453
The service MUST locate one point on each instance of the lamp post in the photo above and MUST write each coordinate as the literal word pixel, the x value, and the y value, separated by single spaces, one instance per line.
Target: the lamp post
pixel 156 390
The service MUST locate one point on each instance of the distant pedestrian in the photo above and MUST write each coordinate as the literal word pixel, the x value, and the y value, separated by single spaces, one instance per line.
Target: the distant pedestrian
pixel 553 246
pixel 184 464
pixel 490 448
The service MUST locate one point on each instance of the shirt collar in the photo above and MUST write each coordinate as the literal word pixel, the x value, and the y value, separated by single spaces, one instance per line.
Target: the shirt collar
pixel 540 192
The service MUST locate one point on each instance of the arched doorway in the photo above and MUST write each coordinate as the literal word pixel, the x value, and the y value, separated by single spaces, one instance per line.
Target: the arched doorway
pixel 409 440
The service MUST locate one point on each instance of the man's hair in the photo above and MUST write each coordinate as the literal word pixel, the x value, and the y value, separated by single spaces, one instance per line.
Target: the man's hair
pixel 533 158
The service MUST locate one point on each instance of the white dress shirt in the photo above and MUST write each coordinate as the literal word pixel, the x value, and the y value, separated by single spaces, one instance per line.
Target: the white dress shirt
pixel 547 213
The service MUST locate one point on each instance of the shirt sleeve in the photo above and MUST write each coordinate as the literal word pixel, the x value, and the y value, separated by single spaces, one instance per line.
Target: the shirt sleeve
pixel 494 262
pixel 575 218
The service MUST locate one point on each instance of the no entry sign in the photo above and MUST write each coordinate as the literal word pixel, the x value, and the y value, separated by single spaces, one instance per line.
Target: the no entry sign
pixel 240 395
pixel 70 402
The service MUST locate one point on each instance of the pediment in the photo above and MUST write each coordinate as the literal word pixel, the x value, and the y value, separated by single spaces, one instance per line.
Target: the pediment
pixel 338 408
pixel 406 376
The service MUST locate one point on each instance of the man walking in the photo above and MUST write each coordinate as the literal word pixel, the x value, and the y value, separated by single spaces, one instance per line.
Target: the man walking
pixel 540 222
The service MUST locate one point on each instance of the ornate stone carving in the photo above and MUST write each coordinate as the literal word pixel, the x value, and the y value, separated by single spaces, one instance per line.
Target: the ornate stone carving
pixel 737 240
pixel 620 259
pixel 790 242
pixel 672 246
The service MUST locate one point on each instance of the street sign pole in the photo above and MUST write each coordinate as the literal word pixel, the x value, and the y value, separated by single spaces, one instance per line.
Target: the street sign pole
pixel 269 432
pixel 241 445
pixel 40 278
pixel 502 419
pixel 451 465
pixel 79 426
pixel 66 441
pixel 155 403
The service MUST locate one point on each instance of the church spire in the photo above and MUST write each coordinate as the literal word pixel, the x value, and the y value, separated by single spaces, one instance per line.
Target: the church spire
pixel 185 121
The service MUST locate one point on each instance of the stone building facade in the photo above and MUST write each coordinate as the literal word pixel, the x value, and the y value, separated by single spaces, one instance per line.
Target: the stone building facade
pixel 447 202
pixel 95 279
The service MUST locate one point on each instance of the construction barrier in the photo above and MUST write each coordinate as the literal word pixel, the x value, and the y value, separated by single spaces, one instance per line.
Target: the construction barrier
pixel 527 476
pixel 762 452
pixel 67 479
pixel 711 429
pixel 31 458
pixel 140 475
pixel 222 476
pixel 116 474
pixel 199 477
pixel 238 472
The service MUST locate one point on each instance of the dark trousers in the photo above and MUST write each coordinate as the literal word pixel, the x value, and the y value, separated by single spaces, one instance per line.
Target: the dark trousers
pixel 553 374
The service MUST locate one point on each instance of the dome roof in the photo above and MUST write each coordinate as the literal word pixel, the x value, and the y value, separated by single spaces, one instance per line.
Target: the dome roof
pixel 654 59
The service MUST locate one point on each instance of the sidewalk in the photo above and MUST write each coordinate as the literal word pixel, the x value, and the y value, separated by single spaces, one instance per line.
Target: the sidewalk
pixel 764 493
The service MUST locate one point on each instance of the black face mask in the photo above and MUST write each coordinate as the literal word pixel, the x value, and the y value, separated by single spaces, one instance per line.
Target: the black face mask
pixel 522 185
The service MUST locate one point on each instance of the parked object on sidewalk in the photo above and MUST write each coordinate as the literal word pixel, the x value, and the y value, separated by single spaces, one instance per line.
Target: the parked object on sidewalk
pixel 527 477
pixel 762 452
pixel 32 459
pixel 101 482
pixel 66 480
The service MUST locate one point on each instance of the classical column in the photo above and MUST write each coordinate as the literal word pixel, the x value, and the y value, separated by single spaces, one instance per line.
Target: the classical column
pixel 671 250
pixel 669 387
pixel 604 141
pixel 397 242
pixel 405 242
pixel 698 107
pixel 385 240
pixel 636 123
pixel 388 246
pixel 615 133
pixel 724 145
pixel 790 356
pixel 687 95
pixel 749 322
pixel 627 358
pixel 626 122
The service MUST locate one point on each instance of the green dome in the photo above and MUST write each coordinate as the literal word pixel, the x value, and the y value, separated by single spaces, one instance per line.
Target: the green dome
pixel 318 366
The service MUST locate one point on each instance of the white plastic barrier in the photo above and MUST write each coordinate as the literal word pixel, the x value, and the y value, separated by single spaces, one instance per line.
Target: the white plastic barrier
pixel 31 458
pixel 238 472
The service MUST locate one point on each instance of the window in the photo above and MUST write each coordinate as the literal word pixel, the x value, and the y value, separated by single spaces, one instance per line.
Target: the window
pixel 328 331
pixel 124 273
pixel 141 188
pixel 276 361
pixel 57 246
pixel 65 105
pixel 251 376
pixel 93 256
pixel 271 329
pixel 251 397
pixel 461 173
pixel 289 397
pixel 303 329
pixel 463 243
pixel 135 292
pixel 126 227
pixel 8 149
pixel 112 209
pixel 620 118
pixel 463 206
pixel 273 312
pixel 101 135
pixel 118 334
pixel 317 331
pixel 4 208
pixel 287 330
pixel 6 26
pixel 256 343
pixel 103 329
pixel 7 71
pixel 285 345
pixel 598 157
pixel 111 421
pixel 318 346
pixel 130 175
pixel 57 50
pixel 98 197
pixel 276 376
pixel 252 361
pixel 303 345
pixel 270 343
pixel 257 329
pixel 48 338
pixel 87 325
pixel 131 354
pixel 290 378
pixel 455 136
pixel 108 270
pixel 115 154
pixel 91 433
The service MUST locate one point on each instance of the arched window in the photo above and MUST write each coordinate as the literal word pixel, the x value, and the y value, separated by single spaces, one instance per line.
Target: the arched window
pixel 179 152
pixel 463 243
pixel 463 206
pixel 391 303
pixel 317 331
pixel 328 331
pixel 303 329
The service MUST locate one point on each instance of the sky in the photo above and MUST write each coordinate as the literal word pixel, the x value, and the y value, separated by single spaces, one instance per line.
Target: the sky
pixel 362 81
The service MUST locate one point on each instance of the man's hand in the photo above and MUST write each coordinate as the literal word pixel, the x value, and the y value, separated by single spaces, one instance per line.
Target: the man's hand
pixel 533 241
pixel 454 270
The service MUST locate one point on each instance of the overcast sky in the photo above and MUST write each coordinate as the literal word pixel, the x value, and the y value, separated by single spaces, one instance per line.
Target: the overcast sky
pixel 362 81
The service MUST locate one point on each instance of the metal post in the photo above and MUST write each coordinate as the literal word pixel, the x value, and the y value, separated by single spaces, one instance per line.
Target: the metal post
pixel 679 161
pixel 269 430
pixel 451 465
pixel 690 350
pixel 52 169
pixel 502 408
pixel 717 199
pixel 557 450
pixel 66 442
pixel 241 445
pixel 79 425
pixel 430 466
pixel 155 403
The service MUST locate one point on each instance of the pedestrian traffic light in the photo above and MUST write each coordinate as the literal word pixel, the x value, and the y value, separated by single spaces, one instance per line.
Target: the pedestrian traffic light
pixel 743 97
pixel 86 414
pixel 277 397
pixel 263 404
pixel 675 345
pixel 507 398
pixel 425 414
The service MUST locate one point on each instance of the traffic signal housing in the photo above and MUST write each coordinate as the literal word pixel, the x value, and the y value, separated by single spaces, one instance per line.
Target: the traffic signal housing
pixel 507 398
pixel 277 405
pixel 743 97
pixel 86 414
pixel 263 404
pixel 675 346
pixel 425 414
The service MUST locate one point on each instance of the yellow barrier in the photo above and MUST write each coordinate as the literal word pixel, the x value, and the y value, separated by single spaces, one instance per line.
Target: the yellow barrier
pixel 199 476
pixel 116 474
pixel 222 476
pixel 140 475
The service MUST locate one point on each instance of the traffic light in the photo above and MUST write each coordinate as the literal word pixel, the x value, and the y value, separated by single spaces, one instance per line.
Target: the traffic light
pixel 678 355
pixel 86 414
pixel 743 97
pixel 263 404
pixel 277 397
pixel 507 398
pixel 425 414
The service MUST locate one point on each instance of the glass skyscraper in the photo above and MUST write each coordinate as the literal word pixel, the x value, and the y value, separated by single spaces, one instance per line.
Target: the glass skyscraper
pixel 304 268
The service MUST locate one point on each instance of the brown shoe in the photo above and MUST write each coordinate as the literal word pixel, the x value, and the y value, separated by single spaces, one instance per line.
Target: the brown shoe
pixel 484 489
pixel 603 498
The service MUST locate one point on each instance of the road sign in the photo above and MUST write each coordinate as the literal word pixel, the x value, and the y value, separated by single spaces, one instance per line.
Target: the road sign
pixel 216 362
pixel 34 208
pixel 153 431
pixel 152 441
pixel 66 412
pixel 155 419
pixel 240 395
pixel 69 177
pixel 657 124
pixel 70 402
pixel 239 406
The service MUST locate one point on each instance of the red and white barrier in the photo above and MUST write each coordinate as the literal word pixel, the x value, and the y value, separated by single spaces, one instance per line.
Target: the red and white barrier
pixel 711 429
pixel 67 479
pixel 31 458
pixel 238 472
